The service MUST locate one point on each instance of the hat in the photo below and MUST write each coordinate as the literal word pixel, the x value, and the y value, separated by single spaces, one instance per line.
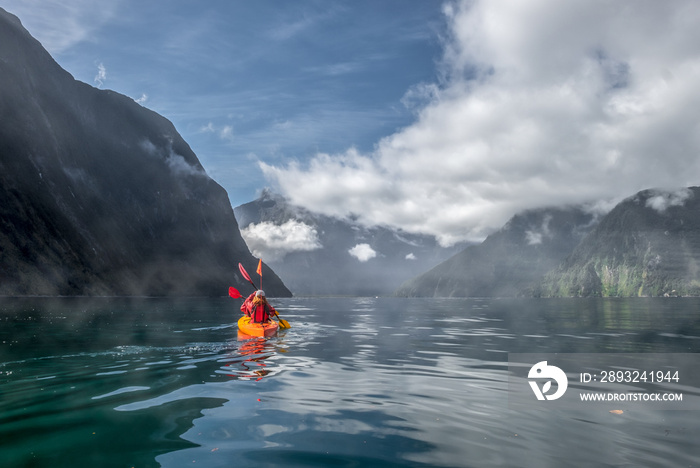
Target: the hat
pixel 260 292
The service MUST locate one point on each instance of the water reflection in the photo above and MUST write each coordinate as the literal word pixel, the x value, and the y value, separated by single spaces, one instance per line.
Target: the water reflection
pixel 249 360
pixel 369 382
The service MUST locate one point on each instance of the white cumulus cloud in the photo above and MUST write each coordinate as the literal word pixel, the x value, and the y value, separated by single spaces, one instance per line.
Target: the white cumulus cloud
pixel 273 241
pixel 363 252
pixel 539 103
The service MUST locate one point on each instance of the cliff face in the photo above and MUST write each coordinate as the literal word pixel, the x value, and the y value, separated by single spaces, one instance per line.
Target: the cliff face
pixel 100 196
pixel 509 262
pixel 648 245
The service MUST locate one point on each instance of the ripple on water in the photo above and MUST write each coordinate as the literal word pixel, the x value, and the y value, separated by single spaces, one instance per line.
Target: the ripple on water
pixel 350 389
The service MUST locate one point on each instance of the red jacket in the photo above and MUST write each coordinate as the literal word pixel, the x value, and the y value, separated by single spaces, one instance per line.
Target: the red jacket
pixel 262 312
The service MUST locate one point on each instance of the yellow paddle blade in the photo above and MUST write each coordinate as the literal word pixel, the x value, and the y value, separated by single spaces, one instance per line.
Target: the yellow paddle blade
pixel 283 323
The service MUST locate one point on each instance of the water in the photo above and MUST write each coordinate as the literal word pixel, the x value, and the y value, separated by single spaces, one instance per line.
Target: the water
pixel 354 382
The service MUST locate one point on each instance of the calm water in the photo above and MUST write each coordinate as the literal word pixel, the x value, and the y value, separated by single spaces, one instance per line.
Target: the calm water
pixel 354 382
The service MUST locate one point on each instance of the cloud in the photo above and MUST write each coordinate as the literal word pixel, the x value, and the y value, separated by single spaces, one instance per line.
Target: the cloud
pixel 411 256
pixel 538 103
pixel 224 132
pixel 208 128
pixel 101 75
pixel 176 162
pixel 305 22
pixel 148 146
pixel 142 99
pixel 661 201
pixel 420 95
pixel 537 235
pixel 272 242
pixel 179 165
pixel 363 252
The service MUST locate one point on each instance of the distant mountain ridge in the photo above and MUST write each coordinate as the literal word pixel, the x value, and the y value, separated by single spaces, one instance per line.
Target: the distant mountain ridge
pixel 100 196
pixel 511 261
pixel 337 257
pixel 648 245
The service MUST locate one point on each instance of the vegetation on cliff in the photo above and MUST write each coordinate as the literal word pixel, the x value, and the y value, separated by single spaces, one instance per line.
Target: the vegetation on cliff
pixel 648 245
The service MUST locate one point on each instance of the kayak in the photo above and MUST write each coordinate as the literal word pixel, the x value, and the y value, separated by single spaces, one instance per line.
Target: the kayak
pixel 257 329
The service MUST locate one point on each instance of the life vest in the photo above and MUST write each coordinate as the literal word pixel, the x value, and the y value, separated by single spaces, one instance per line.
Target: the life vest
pixel 260 313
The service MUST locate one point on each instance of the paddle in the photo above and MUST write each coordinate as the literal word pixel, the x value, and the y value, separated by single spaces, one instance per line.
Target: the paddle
pixel 283 322
pixel 246 276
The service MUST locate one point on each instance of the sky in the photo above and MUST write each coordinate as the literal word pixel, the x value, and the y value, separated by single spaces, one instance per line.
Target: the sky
pixel 437 117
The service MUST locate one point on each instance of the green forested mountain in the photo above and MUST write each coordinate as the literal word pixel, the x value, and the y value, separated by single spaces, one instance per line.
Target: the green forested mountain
pixel 509 262
pixel 648 245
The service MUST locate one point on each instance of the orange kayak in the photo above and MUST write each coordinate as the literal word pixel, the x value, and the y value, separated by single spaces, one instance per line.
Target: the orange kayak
pixel 257 329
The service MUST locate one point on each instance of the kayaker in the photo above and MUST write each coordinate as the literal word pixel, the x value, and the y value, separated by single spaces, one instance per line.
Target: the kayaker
pixel 257 308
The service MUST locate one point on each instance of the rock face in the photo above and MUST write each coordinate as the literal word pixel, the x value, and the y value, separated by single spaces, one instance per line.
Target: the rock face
pixel 648 245
pixel 509 262
pixel 100 196
pixel 335 257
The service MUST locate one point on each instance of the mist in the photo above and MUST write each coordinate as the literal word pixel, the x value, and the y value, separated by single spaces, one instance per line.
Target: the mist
pixel 317 255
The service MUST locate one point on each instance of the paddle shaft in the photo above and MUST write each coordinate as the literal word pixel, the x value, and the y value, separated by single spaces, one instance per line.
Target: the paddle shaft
pixel 247 276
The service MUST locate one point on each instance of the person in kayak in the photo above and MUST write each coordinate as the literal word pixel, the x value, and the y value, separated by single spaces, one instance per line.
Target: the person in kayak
pixel 257 308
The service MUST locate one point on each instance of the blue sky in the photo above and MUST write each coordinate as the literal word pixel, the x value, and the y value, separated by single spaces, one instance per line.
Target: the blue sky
pixel 251 81
pixel 438 117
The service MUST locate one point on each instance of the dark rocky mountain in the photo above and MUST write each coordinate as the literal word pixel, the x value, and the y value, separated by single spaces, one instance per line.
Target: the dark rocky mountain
pixel 330 268
pixel 100 196
pixel 648 245
pixel 509 262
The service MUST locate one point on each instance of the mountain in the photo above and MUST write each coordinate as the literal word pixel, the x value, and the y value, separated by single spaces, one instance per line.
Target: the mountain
pixel 648 245
pixel 322 255
pixel 100 196
pixel 510 261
